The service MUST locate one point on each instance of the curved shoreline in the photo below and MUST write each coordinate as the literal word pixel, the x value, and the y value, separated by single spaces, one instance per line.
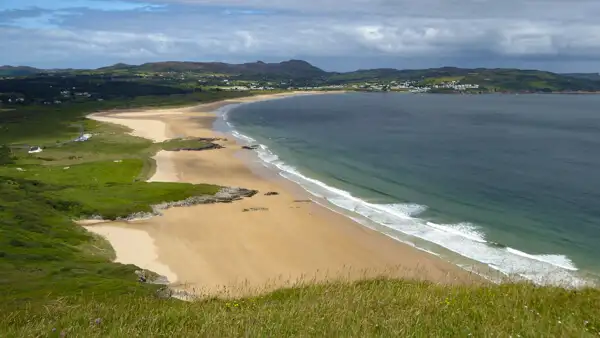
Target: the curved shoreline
pixel 264 242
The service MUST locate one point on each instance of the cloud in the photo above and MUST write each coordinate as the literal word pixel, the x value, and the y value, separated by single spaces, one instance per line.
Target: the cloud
pixel 101 5
pixel 553 33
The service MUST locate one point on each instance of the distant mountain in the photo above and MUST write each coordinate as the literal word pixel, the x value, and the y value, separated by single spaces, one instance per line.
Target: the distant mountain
pixel 18 71
pixel 292 68
pixel 117 66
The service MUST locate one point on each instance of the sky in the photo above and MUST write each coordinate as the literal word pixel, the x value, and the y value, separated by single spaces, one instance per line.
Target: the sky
pixel 336 35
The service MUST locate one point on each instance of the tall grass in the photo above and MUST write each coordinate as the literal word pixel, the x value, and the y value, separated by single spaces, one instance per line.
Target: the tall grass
pixel 375 308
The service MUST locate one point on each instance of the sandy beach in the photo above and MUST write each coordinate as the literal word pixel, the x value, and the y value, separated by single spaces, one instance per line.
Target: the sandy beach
pixel 255 244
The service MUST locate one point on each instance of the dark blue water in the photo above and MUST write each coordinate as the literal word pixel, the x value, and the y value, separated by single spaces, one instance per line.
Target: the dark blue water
pixel 510 181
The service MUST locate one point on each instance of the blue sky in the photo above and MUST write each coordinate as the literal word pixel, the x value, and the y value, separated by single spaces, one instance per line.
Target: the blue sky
pixel 557 35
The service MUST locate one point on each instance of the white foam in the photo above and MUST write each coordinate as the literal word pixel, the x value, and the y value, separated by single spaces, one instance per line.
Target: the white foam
pixel 465 239
pixel 242 137
pixel 558 260
pixel 466 230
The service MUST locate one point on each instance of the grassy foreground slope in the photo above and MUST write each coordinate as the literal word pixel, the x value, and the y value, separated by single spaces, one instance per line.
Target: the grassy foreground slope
pixel 377 308
pixel 57 280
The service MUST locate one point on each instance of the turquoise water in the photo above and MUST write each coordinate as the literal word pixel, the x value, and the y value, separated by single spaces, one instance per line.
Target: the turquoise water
pixel 510 181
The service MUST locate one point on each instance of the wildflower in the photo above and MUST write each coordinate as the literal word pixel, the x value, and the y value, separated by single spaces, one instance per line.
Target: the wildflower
pixel 98 321
pixel 53 329
pixel 559 322
pixel 585 322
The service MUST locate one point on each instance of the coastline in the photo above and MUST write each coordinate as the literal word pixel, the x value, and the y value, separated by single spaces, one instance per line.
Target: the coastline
pixel 256 244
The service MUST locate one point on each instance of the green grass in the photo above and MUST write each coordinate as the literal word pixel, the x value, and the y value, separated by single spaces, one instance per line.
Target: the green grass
pixel 91 173
pixel 440 80
pixel 42 251
pixel 189 143
pixel 376 308
pixel 112 201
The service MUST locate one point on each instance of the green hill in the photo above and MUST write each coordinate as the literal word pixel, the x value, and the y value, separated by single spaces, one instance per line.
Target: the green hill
pixel 289 69
pixel 18 71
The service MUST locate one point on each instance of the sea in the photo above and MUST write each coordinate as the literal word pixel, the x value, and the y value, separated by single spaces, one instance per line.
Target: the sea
pixel 507 186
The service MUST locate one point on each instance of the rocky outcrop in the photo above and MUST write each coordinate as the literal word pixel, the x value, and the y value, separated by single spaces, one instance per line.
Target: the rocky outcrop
pixel 204 147
pixel 150 277
pixel 251 147
pixel 225 195
pixel 205 143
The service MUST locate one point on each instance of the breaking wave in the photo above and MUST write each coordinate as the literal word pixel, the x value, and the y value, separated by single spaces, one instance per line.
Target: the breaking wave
pixel 465 239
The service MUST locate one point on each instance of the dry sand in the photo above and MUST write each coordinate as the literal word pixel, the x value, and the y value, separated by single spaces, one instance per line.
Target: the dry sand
pixel 134 247
pixel 211 248
pixel 151 129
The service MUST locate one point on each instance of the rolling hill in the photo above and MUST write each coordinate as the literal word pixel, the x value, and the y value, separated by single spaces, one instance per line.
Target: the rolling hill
pixel 290 69
pixel 302 72
pixel 18 70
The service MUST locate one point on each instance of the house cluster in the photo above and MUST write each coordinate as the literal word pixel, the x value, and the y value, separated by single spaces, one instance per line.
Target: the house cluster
pixel 456 85
pixel 412 86
pixel 247 87
pixel 330 87
pixel 453 85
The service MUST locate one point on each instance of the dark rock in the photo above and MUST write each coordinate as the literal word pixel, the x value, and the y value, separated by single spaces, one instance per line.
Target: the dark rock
pixel 252 147
pixel 271 193
pixel 225 195
pixel 164 293
pixel 255 209
pixel 205 147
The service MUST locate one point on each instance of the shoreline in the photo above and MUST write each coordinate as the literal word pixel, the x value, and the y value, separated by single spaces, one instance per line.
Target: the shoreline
pixel 264 242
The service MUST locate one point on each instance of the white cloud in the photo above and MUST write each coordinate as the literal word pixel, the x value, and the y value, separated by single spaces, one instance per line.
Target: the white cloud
pixel 426 29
